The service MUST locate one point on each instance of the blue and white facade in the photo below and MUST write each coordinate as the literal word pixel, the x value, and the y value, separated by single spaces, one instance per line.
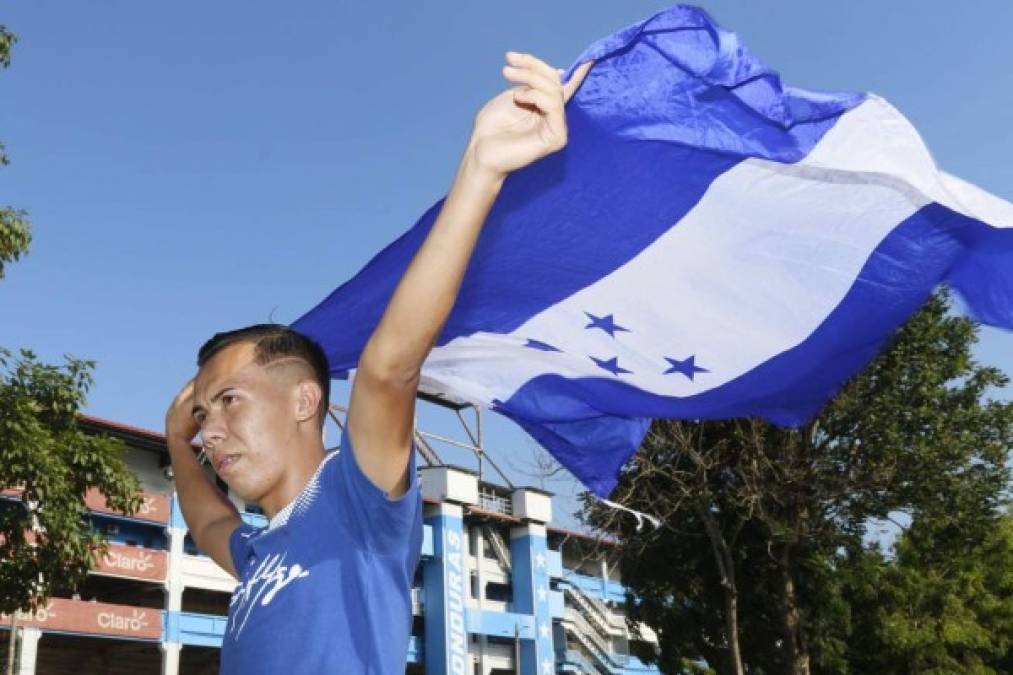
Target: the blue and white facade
pixel 498 590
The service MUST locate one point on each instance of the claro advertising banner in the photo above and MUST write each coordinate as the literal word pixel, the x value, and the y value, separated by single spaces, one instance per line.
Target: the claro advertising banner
pixel 154 507
pixel 133 562
pixel 99 618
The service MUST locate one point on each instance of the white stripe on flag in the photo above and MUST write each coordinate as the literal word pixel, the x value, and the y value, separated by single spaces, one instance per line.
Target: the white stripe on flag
pixel 751 271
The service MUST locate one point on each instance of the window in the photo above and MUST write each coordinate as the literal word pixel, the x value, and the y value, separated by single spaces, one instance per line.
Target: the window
pixel 190 547
pixel 499 592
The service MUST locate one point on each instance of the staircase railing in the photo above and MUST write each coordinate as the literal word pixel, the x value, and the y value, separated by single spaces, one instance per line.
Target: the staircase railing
pixel 597 611
pixel 592 640
pixel 499 547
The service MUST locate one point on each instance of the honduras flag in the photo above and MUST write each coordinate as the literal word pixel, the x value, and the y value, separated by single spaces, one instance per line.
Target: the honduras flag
pixel 710 244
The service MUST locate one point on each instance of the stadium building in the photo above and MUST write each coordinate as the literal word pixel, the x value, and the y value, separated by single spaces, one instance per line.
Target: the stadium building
pixel 499 589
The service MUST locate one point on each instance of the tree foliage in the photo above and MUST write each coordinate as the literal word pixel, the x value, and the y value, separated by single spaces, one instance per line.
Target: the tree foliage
pixel 46 539
pixel 942 604
pixel 764 546
pixel 43 453
pixel 15 230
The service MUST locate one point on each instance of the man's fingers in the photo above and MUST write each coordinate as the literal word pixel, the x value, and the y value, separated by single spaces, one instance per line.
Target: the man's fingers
pixel 521 63
pixel 544 102
pixel 578 77
pixel 522 60
pixel 186 394
pixel 535 80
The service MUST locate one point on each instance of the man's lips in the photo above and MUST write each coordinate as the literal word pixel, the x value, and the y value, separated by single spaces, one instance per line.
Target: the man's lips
pixel 225 461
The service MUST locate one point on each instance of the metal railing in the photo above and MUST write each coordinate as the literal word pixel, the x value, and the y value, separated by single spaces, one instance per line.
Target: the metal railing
pixel 424 440
pixel 499 547
pixel 490 501
pixel 591 650
pixel 577 658
pixel 592 640
pixel 596 610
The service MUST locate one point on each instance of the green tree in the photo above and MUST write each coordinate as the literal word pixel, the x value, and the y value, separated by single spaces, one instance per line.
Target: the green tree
pixel 44 455
pixel 943 604
pixel 760 521
pixel 47 460
pixel 15 230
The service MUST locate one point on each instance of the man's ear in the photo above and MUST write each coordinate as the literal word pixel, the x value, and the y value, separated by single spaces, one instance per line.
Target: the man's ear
pixel 308 395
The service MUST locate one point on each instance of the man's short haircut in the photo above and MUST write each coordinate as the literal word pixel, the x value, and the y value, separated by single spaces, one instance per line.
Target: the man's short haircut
pixel 274 341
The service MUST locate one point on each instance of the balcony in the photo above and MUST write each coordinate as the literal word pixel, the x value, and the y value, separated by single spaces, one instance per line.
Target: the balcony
pixel 490 501
pixel 192 628
pixel 200 571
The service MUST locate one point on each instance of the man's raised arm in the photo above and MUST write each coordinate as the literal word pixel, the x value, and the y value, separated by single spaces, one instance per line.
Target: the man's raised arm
pixel 515 128
pixel 208 513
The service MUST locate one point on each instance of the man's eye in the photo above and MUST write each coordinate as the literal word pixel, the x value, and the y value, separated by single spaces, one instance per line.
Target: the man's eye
pixel 228 399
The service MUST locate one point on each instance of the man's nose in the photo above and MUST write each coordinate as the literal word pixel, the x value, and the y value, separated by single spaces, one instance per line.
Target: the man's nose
pixel 213 431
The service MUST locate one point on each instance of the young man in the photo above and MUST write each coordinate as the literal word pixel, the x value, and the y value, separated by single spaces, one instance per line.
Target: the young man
pixel 325 587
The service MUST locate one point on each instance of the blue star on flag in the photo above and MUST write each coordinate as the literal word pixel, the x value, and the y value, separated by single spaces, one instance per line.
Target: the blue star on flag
pixel 687 367
pixel 606 323
pixel 611 365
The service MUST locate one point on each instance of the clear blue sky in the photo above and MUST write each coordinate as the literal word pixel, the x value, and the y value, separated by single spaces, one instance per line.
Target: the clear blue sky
pixel 192 167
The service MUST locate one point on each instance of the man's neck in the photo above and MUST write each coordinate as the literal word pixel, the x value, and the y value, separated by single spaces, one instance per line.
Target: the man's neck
pixel 305 460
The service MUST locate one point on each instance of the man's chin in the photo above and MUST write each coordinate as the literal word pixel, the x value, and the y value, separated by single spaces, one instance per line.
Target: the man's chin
pixel 237 488
pixel 243 485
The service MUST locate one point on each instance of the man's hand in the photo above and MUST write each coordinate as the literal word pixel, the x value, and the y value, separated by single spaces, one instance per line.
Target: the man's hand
pixel 527 122
pixel 179 421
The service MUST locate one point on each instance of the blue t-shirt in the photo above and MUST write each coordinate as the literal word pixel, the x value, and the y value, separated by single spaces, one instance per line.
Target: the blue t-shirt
pixel 325 587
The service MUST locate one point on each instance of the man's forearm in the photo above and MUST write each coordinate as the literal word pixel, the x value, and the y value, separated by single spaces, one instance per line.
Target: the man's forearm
pixel 200 501
pixel 426 293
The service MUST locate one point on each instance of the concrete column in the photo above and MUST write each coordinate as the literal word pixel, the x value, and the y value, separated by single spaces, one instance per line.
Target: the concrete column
pixel 478 536
pixel 445 587
pixel 28 650
pixel 170 657
pixel 173 590
pixel 174 577
pixel 530 580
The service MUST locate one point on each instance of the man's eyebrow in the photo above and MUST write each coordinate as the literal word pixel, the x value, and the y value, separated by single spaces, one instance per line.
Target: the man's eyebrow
pixel 199 408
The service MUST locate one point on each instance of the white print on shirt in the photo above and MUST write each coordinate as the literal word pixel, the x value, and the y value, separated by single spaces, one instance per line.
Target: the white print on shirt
pixel 271 576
